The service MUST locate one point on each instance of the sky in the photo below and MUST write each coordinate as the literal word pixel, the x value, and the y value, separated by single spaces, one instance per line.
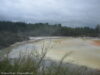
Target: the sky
pixel 66 12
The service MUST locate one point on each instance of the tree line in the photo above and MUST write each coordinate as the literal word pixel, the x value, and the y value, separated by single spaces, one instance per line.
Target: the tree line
pixel 11 32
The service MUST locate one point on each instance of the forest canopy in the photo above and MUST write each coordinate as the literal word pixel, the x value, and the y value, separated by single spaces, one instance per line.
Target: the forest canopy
pixel 11 32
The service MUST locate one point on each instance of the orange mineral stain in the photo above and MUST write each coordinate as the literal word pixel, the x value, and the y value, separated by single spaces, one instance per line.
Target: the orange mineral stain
pixel 96 42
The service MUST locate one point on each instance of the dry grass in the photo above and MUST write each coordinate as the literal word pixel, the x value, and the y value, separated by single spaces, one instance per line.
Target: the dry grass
pixel 35 64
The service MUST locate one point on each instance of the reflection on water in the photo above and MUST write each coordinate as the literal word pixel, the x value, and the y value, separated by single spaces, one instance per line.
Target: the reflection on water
pixel 83 51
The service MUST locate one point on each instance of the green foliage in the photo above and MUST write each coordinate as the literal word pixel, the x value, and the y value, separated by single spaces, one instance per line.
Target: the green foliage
pixel 11 32
pixel 35 67
pixel 44 29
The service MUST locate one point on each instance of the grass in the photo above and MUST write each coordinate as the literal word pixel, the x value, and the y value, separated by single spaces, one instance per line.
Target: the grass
pixel 35 64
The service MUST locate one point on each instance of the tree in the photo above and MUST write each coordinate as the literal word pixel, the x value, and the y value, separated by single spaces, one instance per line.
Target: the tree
pixel 98 30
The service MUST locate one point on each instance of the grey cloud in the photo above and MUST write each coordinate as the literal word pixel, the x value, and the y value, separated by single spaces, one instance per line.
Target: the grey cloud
pixel 66 12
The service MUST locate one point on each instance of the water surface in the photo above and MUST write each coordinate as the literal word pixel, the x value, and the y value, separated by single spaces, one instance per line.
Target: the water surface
pixel 80 51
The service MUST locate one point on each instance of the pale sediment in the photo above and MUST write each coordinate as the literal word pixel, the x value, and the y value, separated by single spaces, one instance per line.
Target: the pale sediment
pixel 80 50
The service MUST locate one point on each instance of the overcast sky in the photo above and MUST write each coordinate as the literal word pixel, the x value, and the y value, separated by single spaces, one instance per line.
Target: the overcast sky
pixel 67 12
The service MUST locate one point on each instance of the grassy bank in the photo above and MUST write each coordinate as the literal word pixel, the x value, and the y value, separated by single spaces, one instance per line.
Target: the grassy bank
pixel 26 65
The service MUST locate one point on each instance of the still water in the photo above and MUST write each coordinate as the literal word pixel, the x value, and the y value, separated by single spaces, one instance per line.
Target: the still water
pixel 80 51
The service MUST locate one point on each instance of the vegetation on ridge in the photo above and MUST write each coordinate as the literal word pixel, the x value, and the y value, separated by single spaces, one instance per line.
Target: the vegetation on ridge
pixel 11 32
